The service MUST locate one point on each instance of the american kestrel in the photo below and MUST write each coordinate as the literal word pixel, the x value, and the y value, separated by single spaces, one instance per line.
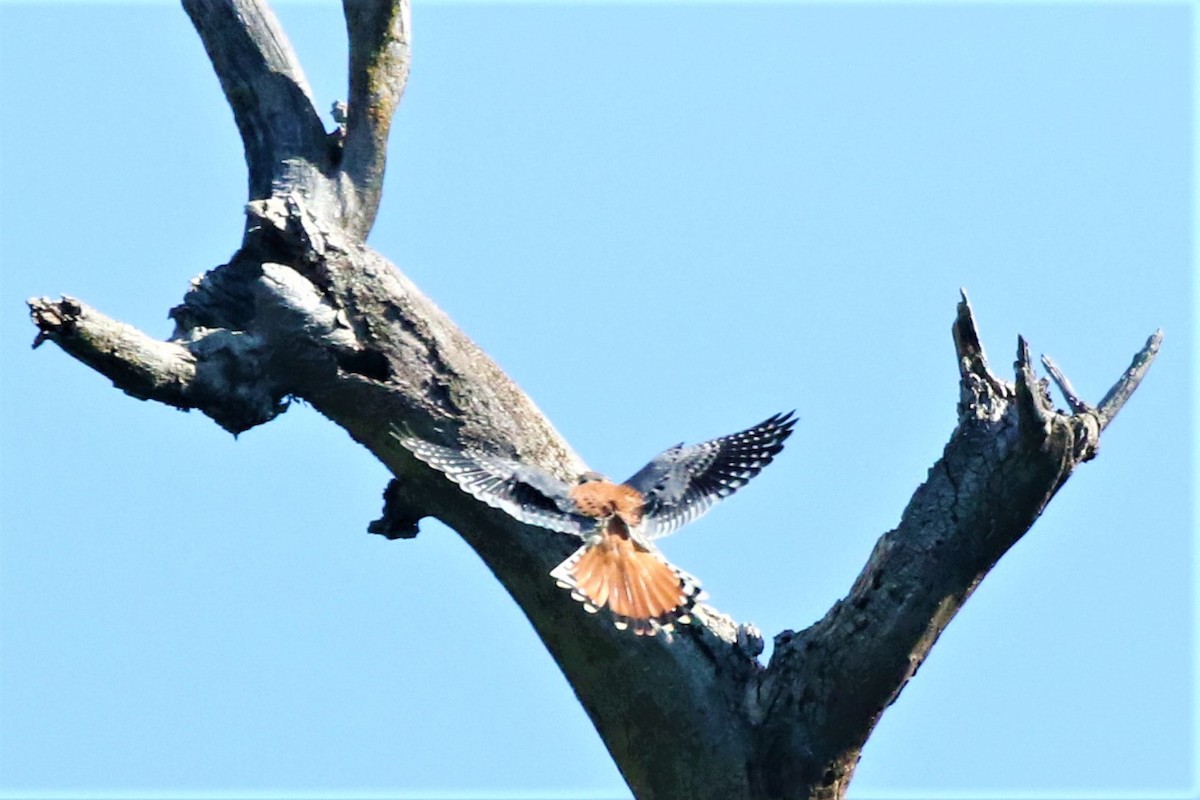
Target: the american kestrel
pixel 617 566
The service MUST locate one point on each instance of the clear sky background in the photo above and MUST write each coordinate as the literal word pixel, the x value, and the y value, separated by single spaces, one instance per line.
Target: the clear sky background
pixel 666 222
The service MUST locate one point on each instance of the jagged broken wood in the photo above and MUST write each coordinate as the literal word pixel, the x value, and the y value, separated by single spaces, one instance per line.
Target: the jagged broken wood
pixel 305 309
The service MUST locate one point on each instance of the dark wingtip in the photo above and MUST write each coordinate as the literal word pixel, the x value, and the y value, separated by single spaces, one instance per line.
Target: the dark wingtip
pixel 784 423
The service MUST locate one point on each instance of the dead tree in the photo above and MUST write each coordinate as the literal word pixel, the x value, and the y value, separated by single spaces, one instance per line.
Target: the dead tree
pixel 305 309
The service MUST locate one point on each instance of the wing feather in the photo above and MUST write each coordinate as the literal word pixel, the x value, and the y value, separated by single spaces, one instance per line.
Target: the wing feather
pixel 528 494
pixel 684 483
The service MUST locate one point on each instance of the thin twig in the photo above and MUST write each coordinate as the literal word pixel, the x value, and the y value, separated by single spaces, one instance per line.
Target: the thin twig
pixel 1128 383
pixel 1074 402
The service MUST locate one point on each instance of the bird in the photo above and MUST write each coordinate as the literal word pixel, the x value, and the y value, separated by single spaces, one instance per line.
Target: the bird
pixel 618 566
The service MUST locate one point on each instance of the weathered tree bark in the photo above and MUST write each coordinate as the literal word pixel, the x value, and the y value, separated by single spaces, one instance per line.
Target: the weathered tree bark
pixel 304 309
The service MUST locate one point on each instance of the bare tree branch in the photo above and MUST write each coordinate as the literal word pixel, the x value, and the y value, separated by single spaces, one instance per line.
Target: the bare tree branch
pixel 1114 400
pixel 265 86
pixel 1120 392
pixel 1076 405
pixel 219 372
pixel 826 687
pixel 136 363
pixel 379 34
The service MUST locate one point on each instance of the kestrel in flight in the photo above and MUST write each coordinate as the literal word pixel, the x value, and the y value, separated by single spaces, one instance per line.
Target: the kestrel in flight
pixel 617 566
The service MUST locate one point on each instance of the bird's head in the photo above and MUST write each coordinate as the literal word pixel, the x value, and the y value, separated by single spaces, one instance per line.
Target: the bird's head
pixel 589 477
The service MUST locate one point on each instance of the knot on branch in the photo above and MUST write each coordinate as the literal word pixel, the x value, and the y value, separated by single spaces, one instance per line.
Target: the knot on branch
pixel 339 110
pixel 222 297
pixel 400 513
pixel 232 385
pixel 283 229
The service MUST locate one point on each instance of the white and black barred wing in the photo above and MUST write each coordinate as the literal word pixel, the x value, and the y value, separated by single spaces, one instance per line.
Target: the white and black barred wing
pixel 526 493
pixel 683 483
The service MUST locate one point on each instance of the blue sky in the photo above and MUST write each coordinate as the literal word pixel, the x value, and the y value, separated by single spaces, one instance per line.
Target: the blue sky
pixel 736 210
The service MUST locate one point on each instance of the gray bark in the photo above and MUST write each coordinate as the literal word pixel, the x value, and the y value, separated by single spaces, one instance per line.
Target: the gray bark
pixel 305 309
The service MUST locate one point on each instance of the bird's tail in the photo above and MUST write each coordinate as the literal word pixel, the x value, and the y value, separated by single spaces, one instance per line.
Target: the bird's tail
pixel 640 588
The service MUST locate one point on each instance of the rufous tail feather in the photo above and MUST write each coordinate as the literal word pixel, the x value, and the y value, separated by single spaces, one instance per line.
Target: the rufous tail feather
pixel 642 590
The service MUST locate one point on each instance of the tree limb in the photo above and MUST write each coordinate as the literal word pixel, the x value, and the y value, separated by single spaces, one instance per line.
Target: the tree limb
pixel 1114 400
pixel 265 86
pixel 379 35
pixel 1076 405
pixel 826 687
pixel 137 364
pixel 218 372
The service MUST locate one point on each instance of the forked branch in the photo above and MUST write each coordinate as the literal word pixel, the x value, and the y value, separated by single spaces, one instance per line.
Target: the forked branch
pixel 285 142
pixel 1121 391
pixel 826 687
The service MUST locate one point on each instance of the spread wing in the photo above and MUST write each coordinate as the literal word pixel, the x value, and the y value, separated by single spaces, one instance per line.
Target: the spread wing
pixel 526 493
pixel 683 483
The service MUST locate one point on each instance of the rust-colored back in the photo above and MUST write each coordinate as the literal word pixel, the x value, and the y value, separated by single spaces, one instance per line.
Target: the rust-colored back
pixel 602 499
